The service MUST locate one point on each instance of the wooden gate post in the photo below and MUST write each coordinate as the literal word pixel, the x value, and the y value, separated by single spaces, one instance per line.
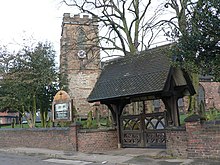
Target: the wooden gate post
pixel 117 109
pixel 175 111
pixel 172 110
pixel 118 115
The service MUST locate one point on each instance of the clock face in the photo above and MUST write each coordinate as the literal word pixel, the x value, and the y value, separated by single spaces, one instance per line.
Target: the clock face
pixel 81 54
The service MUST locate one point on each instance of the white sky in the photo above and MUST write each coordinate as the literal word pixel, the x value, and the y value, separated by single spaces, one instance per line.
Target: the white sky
pixel 41 19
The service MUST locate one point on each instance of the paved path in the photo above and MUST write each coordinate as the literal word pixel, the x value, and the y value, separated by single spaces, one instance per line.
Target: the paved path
pixel 12 159
pixel 128 156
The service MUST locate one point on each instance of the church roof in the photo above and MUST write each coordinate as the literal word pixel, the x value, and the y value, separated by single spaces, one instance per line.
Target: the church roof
pixel 133 76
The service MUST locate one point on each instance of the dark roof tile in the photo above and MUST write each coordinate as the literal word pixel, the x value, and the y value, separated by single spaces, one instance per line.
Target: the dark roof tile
pixel 133 75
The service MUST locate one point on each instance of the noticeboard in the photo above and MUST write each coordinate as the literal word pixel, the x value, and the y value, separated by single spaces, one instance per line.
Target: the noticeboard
pixel 62 107
pixel 62 111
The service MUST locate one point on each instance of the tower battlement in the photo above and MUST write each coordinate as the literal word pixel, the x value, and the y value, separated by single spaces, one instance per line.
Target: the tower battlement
pixel 80 73
pixel 78 19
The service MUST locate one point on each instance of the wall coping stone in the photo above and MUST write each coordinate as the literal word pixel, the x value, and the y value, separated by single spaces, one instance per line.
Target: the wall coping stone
pixel 214 122
pixel 193 118
pixel 181 128
pixel 211 128
pixel 96 130
pixel 35 129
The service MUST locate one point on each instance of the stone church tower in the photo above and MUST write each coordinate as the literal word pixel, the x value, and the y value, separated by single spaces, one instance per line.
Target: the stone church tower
pixel 79 59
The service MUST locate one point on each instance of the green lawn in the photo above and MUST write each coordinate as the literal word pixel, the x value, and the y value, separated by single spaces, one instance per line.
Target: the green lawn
pixel 210 115
pixel 20 126
pixel 182 118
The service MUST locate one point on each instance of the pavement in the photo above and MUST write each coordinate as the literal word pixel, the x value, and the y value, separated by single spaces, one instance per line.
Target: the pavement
pixel 124 156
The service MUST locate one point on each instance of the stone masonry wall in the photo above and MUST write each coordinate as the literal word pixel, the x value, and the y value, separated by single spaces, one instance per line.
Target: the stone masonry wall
pixel 212 94
pixel 82 82
pixel 80 73
pixel 67 139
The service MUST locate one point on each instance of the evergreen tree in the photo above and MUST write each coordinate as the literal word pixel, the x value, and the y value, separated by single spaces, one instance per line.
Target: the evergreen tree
pixel 200 45
pixel 28 80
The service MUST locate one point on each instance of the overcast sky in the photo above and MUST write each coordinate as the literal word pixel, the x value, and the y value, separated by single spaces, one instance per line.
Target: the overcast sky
pixel 41 19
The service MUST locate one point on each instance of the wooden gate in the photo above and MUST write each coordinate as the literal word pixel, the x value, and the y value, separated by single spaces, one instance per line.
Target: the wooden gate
pixel 144 130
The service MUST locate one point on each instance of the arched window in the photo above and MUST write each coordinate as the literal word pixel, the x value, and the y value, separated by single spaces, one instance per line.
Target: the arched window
pixel 81 38
pixel 201 95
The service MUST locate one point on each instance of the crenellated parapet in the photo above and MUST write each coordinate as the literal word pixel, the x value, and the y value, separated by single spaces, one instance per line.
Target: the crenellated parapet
pixel 79 58
pixel 78 20
pixel 68 18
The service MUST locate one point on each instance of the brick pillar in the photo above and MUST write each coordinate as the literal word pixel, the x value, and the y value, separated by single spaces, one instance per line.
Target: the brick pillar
pixel 193 123
pixel 193 129
pixel 177 140
pixel 192 126
pixel 73 135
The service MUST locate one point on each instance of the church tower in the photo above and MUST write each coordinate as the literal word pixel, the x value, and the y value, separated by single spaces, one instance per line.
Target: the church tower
pixel 79 58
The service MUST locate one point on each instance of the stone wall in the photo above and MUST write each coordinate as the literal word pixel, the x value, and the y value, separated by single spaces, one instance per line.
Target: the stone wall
pixel 80 73
pixel 212 94
pixel 198 140
pixel 67 139
pixel 81 84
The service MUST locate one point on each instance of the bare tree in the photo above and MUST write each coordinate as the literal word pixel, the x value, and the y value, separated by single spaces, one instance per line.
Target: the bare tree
pixel 127 26
pixel 180 12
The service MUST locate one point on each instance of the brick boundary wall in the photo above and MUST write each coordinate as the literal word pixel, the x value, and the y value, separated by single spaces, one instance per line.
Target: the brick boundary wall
pixel 176 143
pixel 198 140
pixel 97 140
pixel 53 138
pixel 67 139
pixel 203 140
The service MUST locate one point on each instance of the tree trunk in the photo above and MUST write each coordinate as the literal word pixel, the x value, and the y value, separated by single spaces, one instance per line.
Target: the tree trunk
pixel 34 109
pixel 193 106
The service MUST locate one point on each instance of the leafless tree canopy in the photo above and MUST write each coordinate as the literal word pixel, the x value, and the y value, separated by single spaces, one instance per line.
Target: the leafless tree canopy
pixel 182 12
pixel 128 26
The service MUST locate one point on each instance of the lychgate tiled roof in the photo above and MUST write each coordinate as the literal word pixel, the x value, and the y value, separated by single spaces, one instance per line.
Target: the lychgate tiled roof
pixel 133 75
